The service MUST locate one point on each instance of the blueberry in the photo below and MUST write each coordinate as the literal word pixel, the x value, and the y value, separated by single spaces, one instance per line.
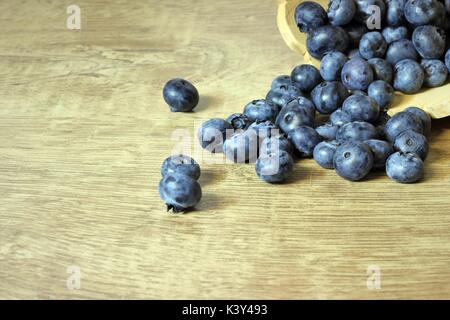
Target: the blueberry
pixel 423 116
pixel 364 9
pixel 394 12
pixel 283 94
pixel 392 34
pixel 179 192
pixel 447 60
pixel 242 147
pixel 447 6
pixel 180 95
pixel 400 50
pixel 274 167
pixel 327 131
pixel 280 81
pixel 353 160
pixel 304 139
pixel 261 110
pixel 341 12
pixel 324 153
pixel 411 141
pixel 423 12
pixel 299 112
pixel 326 39
pixel 356 131
pixel 213 133
pixel 382 70
pixel 239 121
pixel 401 122
pixel 331 65
pixel 310 16
pixel 340 117
pixel 382 92
pixel 404 167
pixel 361 108
pixel 264 129
pixel 408 76
pixel 381 151
pixel 275 144
pixel 429 41
pixel 372 45
pixel 435 73
pixel 328 96
pixel 181 164
pixel 306 77
pixel 357 74
pixel 355 32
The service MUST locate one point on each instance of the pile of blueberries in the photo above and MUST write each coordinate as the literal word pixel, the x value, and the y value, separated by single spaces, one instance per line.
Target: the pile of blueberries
pixel 337 114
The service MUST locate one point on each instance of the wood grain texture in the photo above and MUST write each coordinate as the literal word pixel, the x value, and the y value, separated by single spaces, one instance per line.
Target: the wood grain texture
pixel 84 129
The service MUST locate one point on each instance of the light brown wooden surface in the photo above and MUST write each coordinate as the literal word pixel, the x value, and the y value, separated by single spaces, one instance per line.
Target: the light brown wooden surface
pixel 84 129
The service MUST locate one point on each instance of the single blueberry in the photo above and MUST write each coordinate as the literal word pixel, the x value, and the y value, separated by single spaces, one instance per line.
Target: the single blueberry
pixel 423 12
pixel 326 39
pixel 299 112
pixel 239 121
pixel 304 139
pixel 181 164
pixel 179 192
pixel 394 12
pixel 436 73
pixel 429 41
pixel 361 108
pixel 327 131
pixel 261 110
pixel 331 65
pixel 372 45
pixel 382 92
pixel 274 167
pixel 328 96
pixel 280 81
pixel 411 141
pixel 306 77
pixel 341 12
pixel 400 50
pixel 408 76
pixel 310 16
pixel 324 153
pixel 340 117
pixel 364 10
pixel 401 122
pixel 392 34
pixel 276 143
pixel 242 147
pixel 180 95
pixel 423 116
pixel 357 74
pixel 382 70
pixel 212 134
pixel 404 167
pixel 381 151
pixel 353 160
pixel 355 32
pixel 356 131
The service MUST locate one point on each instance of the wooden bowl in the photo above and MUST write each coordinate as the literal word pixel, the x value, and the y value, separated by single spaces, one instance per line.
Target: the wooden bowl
pixel 435 101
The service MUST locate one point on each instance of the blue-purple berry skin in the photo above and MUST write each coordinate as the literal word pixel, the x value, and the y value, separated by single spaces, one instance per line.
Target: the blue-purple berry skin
pixel 429 41
pixel 340 117
pixel 357 74
pixel 239 121
pixel 181 164
pixel 356 131
pixel 213 133
pixel 400 50
pixel 394 12
pixel 382 92
pixel 327 131
pixel 411 141
pixel 310 16
pixel 298 112
pixel 261 110
pixel 326 39
pixel 401 122
pixel 380 124
pixel 405 167
pixel 329 96
pixel 306 77
pixel 382 70
pixel 361 108
pixel 274 144
pixel 324 153
pixel 355 32
pixel 341 12
pixel 179 192
pixel 180 95
pixel 280 81
pixel 279 98
pixel 381 151
pixel 408 76
pixel 435 71
pixel 392 34
pixel 274 167
pixel 372 45
pixel 423 116
pixel 304 139
pixel 353 160
pixel 264 129
pixel 331 65
pixel 423 12
pixel 447 60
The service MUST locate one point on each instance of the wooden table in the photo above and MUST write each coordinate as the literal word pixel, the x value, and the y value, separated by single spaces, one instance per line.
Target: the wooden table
pixel 84 130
